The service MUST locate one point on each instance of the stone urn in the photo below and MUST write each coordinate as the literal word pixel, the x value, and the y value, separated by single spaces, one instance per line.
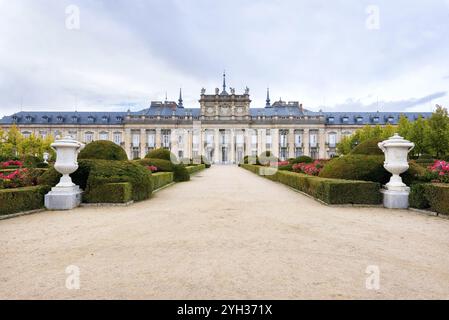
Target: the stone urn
pixel 396 150
pixel 46 156
pixel 65 195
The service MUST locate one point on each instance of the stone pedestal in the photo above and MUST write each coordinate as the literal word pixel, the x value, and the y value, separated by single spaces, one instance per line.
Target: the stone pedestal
pixel 63 198
pixel 396 199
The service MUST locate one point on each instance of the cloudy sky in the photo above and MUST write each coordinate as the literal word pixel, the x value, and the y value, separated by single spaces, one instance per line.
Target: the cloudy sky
pixel 331 55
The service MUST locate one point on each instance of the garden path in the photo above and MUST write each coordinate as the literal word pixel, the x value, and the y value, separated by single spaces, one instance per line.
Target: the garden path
pixel 225 234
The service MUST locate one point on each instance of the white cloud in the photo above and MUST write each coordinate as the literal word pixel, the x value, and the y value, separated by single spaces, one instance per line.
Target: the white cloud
pixel 317 52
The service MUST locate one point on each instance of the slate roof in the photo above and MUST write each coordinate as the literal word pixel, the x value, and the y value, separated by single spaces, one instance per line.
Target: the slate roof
pixel 168 109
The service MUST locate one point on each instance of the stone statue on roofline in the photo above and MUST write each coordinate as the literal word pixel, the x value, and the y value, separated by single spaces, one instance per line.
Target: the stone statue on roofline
pixel 217 91
pixel 232 90
pixel 246 90
pixel 203 91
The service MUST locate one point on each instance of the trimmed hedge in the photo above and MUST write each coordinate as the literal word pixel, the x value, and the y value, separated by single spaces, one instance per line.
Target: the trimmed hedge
pixel 301 159
pixel 369 147
pixel 196 168
pixel 161 179
pixel 121 192
pixel 161 153
pixel 92 174
pixel 103 150
pixel 330 191
pixel 368 168
pixel 433 196
pixel 22 199
pixel 180 173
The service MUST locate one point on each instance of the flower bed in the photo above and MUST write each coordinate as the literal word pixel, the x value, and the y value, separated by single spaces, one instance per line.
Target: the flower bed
pixel 11 164
pixel 439 171
pixel 311 169
pixel 330 191
pixel 17 178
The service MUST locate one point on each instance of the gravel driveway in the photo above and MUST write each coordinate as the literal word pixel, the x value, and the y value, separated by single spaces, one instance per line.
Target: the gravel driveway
pixel 226 234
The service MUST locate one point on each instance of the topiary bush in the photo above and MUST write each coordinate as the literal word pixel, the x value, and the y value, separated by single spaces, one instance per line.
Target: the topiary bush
pixel 417 198
pixel 30 161
pixel 301 159
pixel 103 150
pixel 356 167
pixel 180 173
pixel 92 174
pixel 438 194
pixel 161 153
pixel 368 147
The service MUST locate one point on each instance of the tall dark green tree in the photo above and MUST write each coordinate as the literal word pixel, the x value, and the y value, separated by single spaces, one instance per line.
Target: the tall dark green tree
pixel 417 134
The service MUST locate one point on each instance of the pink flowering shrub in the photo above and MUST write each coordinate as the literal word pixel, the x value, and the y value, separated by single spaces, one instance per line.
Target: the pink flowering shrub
pixel 11 163
pixel 312 169
pixel 281 163
pixel 152 168
pixel 439 171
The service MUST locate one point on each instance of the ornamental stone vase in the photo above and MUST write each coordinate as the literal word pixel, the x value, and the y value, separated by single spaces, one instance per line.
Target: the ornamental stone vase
pixel 65 195
pixel 396 149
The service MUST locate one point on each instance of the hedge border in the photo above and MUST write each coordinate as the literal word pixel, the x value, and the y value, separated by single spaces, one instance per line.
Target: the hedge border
pixel 329 191
pixel 161 179
pixel 195 169
pixel 119 192
pixel 430 196
pixel 22 199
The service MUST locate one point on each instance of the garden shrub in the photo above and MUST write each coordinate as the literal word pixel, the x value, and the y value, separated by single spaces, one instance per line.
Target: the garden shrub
pixel 288 167
pixel 438 196
pixel 121 192
pixel 42 165
pixel 103 172
pixel 330 191
pixel 103 150
pixel 30 161
pixel 93 173
pixel 180 173
pixel 250 160
pixel 22 199
pixel 195 168
pixel 161 179
pixel 161 153
pixel 356 167
pixel 162 165
pixel 368 147
pixel 301 159
pixel 417 198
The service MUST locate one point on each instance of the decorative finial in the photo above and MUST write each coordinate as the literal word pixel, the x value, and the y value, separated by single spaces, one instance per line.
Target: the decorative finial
pixel 224 81
pixel 268 97
pixel 180 97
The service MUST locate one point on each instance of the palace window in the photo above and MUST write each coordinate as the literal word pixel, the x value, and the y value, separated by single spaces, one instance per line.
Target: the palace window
pixel 136 139
pixel 88 137
pixel 313 139
pixel 298 138
pixel 118 138
pixel 332 140
pixel 104 135
pixel 73 134
pixel 26 134
pixel 43 134
pixel 283 138
pixel 166 138
pixel 151 139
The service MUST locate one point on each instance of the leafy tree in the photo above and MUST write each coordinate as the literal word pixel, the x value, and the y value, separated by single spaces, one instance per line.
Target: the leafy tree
pixel 418 135
pixel 438 132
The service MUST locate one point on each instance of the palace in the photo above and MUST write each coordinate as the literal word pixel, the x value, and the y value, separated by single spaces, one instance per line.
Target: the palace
pixel 224 129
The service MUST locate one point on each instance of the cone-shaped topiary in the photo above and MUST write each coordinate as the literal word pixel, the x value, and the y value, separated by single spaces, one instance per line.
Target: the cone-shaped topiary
pixel 161 153
pixel 103 150
pixel 368 147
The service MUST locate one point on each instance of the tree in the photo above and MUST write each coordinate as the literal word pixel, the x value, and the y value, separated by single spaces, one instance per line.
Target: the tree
pixel 417 134
pixel 438 132
pixel 404 127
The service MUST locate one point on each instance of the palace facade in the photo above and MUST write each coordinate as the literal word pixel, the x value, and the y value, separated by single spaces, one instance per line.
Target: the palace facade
pixel 224 128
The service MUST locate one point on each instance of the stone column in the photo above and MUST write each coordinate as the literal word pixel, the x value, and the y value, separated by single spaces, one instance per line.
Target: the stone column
pixel 174 141
pixel 291 143
pixel 158 138
pixel 127 139
pixel 217 153
pixel 247 142
pixel 322 143
pixel 263 140
pixel 233 160
pixel 275 141
pixel 260 146
pixel 306 142
pixel 143 143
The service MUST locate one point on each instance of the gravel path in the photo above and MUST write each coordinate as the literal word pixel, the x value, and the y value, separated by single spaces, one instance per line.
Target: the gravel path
pixel 226 234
